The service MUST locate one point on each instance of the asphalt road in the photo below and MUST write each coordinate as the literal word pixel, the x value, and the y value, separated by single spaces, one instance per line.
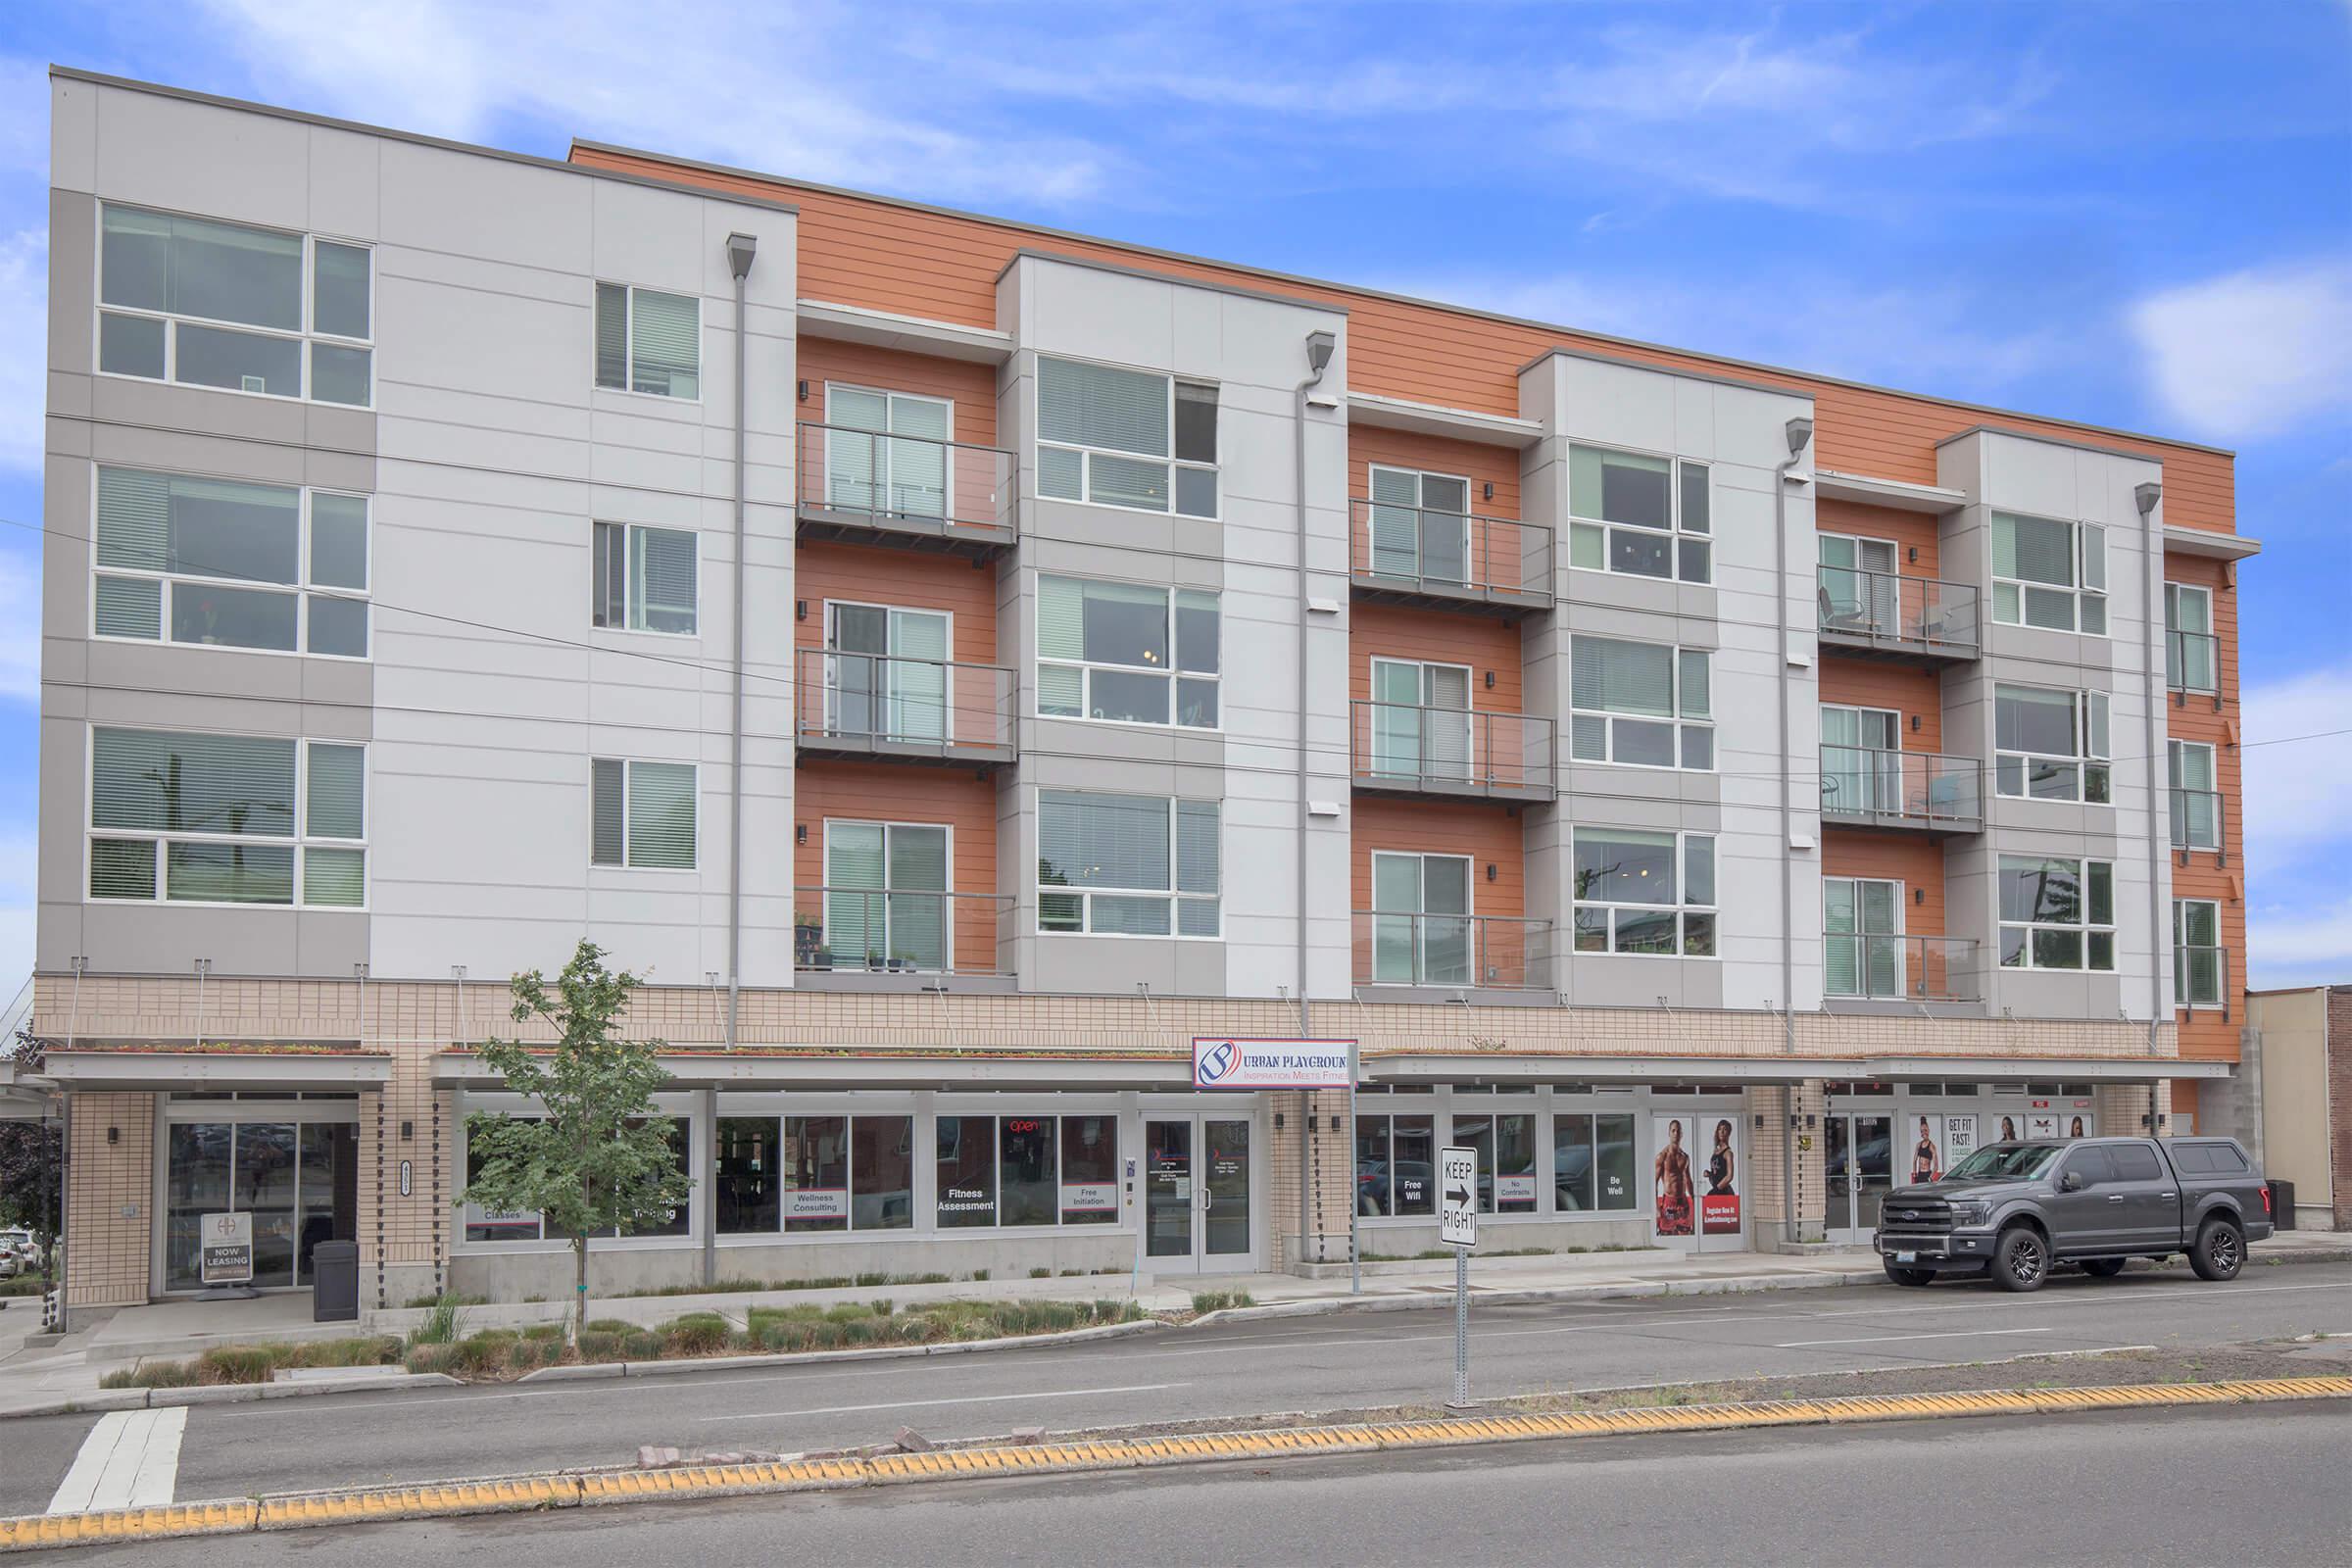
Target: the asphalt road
pixel 1314 1363
pixel 2057 1490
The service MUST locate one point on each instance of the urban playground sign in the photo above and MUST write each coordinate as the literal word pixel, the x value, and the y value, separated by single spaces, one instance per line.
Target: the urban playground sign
pixel 1228 1063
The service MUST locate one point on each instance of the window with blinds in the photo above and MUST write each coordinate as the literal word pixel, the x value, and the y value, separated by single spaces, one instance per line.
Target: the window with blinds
pixel 641 816
pixel 2056 913
pixel 2196 953
pixel 2196 804
pixel 886 897
pixel 2051 745
pixel 643 579
pixel 1645 894
pixel 1117 437
pixel 1640 705
pixel 1862 948
pixel 648 341
pixel 224 563
pixel 2192 652
pixel 1127 865
pixel 235 308
pixel 2049 574
pixel 1641 514
pixel 189 819
pixel 1127 654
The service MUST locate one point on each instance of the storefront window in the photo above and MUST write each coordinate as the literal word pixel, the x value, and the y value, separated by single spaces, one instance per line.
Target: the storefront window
pixel 1026 1193
pixel 1613 1159
pixel 816 1174
pixel 1396 1165
pixel 482 1225
pixel 748 1196
pixel 197 1184
pixel 298 1180
pixel 1090 1170
pixel 1506 1160
pixel 967 1171
pixel 882 1172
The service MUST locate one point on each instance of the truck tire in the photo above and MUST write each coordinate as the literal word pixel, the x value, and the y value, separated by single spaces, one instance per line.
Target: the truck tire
pixel 1908 1276
pixel 2103 1269
pixel 2220 1249
pixel 2022 1259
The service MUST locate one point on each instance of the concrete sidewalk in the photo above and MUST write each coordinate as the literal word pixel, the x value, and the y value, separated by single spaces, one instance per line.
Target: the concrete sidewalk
pixel 32 1379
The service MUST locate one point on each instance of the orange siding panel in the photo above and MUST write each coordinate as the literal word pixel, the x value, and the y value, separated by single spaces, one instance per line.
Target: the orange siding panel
pixel 862 792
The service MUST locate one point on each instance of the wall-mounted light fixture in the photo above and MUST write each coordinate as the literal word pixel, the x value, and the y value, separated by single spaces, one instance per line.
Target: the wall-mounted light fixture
pixel 804 391
pixel 1914 723
pixel 1919 894
pixel 800 833
pixel 408 1132
pixel 1489 870
pixel 800 610
pixel 1490 680
pixel 114 1135
pixel 1489 490
pixel 1278 1121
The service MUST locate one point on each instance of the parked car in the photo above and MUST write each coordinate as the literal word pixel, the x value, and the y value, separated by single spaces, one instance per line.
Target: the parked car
pixel 2013 1210
pixel 19 1253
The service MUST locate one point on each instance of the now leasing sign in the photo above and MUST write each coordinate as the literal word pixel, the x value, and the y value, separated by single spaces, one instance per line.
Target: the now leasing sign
pixel 225 1249
pixel 1225 1063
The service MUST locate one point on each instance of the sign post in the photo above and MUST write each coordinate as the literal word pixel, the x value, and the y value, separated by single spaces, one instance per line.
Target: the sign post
pixel 225 1254
pixel 1457 1228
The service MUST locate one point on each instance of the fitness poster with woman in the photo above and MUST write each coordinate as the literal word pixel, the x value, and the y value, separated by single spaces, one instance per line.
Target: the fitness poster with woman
pixel 1695 1176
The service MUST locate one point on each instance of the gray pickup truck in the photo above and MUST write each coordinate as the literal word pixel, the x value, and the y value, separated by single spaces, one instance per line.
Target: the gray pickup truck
pixel 2015 1210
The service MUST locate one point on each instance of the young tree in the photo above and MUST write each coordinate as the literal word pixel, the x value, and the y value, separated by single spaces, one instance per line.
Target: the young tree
pixel 599 1159
pixel 32 1161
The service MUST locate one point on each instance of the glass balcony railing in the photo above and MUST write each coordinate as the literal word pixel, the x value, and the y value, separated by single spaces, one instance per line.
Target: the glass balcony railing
pixel 2197 822
pixel 1902 788
pixel 1858 965
pixel 2192 662
pixel 906 489
pixel 1911 615
pixel 1450 751
pixel 886 706
pixel 1452 952
pixel 1448 558
pixel 901 931
pixel 2201 978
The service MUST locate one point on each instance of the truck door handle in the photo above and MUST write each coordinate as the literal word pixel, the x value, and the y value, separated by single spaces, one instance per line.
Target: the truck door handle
pixel 2115 1197
pixel 2168 1197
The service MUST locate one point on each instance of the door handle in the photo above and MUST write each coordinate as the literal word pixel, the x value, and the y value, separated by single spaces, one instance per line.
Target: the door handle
pixel 2168 1197
pixel 2115 1197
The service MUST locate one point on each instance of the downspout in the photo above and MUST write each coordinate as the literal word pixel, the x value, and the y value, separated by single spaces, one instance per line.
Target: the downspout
pixel 2145 497
pixel 1319 349
pixel 1800 435
pixel 741 248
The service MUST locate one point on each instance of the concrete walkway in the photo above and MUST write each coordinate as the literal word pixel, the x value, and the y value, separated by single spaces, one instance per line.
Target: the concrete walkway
pixel 37 1378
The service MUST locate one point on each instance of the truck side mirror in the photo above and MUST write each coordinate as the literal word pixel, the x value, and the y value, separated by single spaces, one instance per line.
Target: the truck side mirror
pixel 2071 1182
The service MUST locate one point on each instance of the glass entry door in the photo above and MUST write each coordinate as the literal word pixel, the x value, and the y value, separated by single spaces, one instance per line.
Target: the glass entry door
pixel 1858 1162
pixel 299 1180
pixel 1197 1199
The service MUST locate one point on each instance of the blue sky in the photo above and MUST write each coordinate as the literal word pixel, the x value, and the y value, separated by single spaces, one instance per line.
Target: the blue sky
pixel 2136 216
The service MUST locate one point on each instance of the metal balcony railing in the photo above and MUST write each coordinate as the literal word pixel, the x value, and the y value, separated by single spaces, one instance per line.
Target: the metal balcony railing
pixel 1449 559
pixel 2192 662
pixel 1859 966
pixel 910 490
pixel 1908 616
pixel 1403 749
pixel 896 931
pixel 2197 822
pixel 884 706
pixel 1452 952
pixel 1902 788
pixel 2201 978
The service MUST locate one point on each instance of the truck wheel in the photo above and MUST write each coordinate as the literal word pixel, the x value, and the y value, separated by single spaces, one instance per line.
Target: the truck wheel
pixel 2220 1250
pixel 2022 1260
pixel 2103 1269
pixel 1908 1276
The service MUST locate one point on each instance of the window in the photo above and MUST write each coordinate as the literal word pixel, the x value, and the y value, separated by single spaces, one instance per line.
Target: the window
pixel 2197 952
pixel 886 902
pixel 1861 761
pixel 1396 1165
pixel 814 1173
pixel 526 1225
pixel 2197 805
pixel 1858 585
pixel 225 305
pixel 1650 686
pixel 2056 913
pixel 1592 1162
pixel 643 579
pixel 1420 526
pixel 2049 574
pixel 1645 893
pixel 1107 435
pixel 2191 653
pixel 1420 924
pixel 886 672
pixel 648 341
pixel 1113 852
pixel 226 819
pixel 2050 744
pixel 1862 947
pixel 1640 515
pixel 887 451
pixel 642 814
pixel 1027 1170
pixel 222 564
pixel 1506 1160
pixel 1127 654
pixel 1421 723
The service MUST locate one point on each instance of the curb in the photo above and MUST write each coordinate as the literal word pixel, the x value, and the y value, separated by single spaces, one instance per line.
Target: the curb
pixel 546 1492
pixel 878 1352
pixel 229 1394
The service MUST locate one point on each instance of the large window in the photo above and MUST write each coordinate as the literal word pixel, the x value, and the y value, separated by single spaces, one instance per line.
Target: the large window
pixel 223 304
pixel 1591 1161
pixel 2192 652
pixel 642 579
pixel 1650 894
pixel 1108 435
pixel 1644 516
pixel 224 563
pixel 2050 744
pixel 642 814
pixel 1505 1146
pixel 2196 804
pixel 525 1225
pixel 648 341
pixel 2197 952
pixel 1138 865
pixel 1027 1170
pixel 1421 722
pixel 1420 526
pixel 1396 1165
pixel 2049 574
pixel 887 451
pixel 886 897
pixel 2057 913
pixel 296 1179
pixel 1627 697
pixel 1862 948
pixel 226 819
pixel 1126 653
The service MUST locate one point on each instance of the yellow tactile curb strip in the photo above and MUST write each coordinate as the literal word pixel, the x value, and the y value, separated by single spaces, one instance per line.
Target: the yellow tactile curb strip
pixel 534 1492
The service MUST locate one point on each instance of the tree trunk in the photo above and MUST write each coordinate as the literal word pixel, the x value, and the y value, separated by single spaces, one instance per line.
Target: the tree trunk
pixel 579 1287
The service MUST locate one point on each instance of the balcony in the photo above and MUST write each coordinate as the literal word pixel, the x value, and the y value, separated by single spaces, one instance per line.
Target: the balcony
pixel 2192 665
pixel 1448 754
pixel 1909 619
pixel 2197 824
pixel 1923 792
pixel 2201 979
pixel 882 708
pixel 1452 952
pixel 875 939
pixel 1861 967
pixel 905 492
pixel 1449 561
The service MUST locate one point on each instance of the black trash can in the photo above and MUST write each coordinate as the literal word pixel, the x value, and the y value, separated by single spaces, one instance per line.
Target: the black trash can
pixel 2282 1204
pixel 335 1282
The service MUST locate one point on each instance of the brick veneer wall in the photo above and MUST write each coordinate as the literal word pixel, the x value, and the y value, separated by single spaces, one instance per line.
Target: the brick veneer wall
pixel 110 1187
pixel 2340 1102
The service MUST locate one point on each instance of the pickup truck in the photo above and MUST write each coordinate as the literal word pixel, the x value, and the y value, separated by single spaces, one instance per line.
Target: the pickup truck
pixel 2016 1210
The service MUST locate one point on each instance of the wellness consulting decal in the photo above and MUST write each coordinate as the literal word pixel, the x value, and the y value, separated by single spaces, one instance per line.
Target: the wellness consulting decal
pixel 1225 1063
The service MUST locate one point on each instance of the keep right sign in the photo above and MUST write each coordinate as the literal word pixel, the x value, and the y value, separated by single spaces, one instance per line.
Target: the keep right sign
pixel 1457 1197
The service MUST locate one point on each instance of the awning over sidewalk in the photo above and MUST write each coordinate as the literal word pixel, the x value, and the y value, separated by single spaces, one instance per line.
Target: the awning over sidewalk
pixel 104 1069
pixel 24 1096
pixel 818 1070
pixel 1531 1067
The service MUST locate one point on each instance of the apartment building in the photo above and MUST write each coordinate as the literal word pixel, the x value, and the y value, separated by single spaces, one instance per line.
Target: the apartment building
pixel 960 664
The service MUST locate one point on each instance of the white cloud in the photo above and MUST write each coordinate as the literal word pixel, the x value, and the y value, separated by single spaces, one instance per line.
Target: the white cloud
pixel 2298 839
pixel 2290 947
pixel 23 347
pixel 2255 353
